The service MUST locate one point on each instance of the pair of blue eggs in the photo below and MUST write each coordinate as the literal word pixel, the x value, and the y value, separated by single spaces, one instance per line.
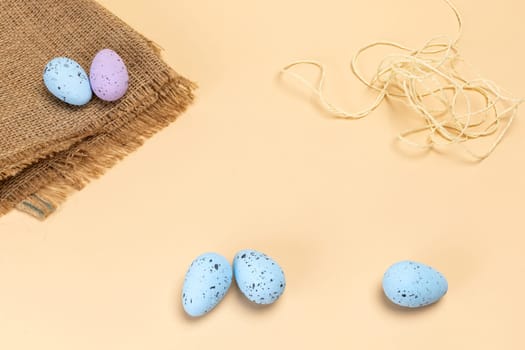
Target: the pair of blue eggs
pixel 406 283
pixel 67 80
pixel 259 278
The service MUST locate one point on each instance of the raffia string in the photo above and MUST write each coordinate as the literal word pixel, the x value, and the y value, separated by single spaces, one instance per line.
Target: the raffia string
pixel 430 82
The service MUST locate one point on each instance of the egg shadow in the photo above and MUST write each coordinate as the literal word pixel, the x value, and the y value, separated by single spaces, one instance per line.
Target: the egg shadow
pixel 391 307
pixel 234 293
pixel 460 262
pixel 179 309
pixel 247 304
pixel 179 312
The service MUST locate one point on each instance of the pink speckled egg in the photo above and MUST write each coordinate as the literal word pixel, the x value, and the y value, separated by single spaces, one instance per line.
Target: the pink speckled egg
pixel 108 75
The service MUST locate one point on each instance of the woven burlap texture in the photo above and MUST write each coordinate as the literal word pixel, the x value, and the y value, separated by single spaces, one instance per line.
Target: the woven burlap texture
pixel 49 149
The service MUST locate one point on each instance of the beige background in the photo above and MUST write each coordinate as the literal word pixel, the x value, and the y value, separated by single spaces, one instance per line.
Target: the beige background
pixel 254 164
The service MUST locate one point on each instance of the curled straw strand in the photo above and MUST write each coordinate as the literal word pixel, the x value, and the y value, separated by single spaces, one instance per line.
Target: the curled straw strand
pixel 428 80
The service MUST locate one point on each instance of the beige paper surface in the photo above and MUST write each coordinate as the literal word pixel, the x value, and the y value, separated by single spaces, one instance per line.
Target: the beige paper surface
pixel 255 164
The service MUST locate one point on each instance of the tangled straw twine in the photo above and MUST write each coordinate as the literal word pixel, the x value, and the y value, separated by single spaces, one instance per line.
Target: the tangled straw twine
pixel 430 82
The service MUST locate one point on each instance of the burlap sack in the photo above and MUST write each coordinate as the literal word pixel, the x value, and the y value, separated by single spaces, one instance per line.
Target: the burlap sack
pixel 48 148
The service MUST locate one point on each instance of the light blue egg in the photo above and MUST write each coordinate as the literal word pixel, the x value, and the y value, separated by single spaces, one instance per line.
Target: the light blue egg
pixel 67 81
pixel 258 276
pixel 208 279
pixel 412 284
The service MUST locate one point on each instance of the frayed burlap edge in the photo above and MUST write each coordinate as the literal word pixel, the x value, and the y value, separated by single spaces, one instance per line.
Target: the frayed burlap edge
pixel 45 185
pixel 13 164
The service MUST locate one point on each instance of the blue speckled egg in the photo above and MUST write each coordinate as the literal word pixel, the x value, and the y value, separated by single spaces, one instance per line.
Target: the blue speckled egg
pixel 207 281
pixel 67 81
pixel 412 284
pixel 258 276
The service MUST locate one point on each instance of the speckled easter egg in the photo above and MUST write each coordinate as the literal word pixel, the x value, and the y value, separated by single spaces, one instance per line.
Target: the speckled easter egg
pixel 67 81
pixel 258 276
pixel 208 279
pixel 412 284
pixel 108 75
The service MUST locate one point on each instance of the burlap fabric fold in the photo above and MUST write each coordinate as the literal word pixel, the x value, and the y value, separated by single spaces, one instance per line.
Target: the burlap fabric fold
pixel 49 149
